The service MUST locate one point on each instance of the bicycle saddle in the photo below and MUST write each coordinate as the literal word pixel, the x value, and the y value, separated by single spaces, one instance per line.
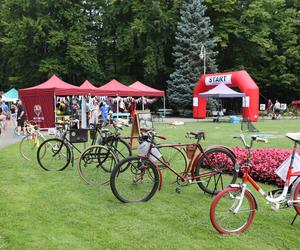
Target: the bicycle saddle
pixel 294 136
pixel 198 135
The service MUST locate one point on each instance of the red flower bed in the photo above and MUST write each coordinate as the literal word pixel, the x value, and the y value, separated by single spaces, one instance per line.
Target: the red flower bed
pixel 264 163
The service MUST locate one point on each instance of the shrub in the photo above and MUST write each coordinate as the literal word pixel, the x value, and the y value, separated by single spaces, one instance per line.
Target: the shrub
pixel 264 163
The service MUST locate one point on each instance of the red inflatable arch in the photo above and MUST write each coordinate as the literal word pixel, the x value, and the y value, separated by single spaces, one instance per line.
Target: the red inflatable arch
pixel 240 79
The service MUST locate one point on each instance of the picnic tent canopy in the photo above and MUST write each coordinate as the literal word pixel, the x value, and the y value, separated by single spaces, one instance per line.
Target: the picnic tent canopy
pixel 147 91
pixel 115 88
pixel 53 86
pixel 11 95
pixel 222 91
pixel 40 102
pixel 89 89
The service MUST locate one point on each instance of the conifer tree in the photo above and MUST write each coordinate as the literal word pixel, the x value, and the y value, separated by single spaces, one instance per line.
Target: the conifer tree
pixel 194 30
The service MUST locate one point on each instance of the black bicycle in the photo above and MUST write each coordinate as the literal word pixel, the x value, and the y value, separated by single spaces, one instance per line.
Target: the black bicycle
pixel 91 167
pixel 57 153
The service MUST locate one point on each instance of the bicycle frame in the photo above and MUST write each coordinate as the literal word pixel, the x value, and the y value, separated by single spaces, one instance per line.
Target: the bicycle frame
pixel 192 162
pixel 280 199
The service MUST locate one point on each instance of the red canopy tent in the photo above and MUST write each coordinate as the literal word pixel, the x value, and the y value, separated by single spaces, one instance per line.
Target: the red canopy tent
pixel 88 86
pixel 115 88
pixel 89 89
pixel 147 91
pixel 39 101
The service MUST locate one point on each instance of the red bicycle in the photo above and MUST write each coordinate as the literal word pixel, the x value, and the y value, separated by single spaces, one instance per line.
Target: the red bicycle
pixel 233 209
pixel 137 178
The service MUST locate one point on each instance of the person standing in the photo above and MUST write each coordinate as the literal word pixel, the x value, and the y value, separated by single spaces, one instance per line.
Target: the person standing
pixel 21 117
pixel 277 109
pixel 5 109
pixel 104 108
pixel 13 111
pixel 269 107
pixel 132 108
pixel 2 120
pixel 94 108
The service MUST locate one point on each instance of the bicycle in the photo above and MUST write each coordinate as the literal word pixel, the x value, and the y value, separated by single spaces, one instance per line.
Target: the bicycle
pixel 31 141
pixel 137 178
pixel 57 153
pixel 90 165
pixel 233 209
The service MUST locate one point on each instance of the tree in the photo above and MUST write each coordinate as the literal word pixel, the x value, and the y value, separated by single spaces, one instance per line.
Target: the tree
pixel 193 31
pixel 41 38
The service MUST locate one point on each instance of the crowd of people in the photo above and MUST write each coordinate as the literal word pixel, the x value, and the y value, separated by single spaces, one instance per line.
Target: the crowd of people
pixel 97 108
pixel 13 112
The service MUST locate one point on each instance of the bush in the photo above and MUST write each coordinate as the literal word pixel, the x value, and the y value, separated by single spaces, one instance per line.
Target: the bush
pixel 264 163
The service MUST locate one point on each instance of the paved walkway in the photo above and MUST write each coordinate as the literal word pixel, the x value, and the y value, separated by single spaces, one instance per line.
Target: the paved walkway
pixel 8 137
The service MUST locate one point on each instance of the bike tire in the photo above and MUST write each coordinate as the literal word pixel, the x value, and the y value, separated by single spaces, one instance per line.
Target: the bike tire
pixel 120 148
pixel 54 155
pixel 296 196
pixel 91 163
pixel 217 168
pixel 174 157
pixel 222 215
pixel 28 147
pixel 128 180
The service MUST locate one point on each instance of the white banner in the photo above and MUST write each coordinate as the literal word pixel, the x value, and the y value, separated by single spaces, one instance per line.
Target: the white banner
pixel 195 101
pixel 215 80
pixel 246 102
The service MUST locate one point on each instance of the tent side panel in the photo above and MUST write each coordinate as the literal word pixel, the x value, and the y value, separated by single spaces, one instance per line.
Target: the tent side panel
pixel 39 108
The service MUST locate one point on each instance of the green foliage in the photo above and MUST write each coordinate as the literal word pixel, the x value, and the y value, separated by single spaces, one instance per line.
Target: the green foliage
pixel 193 32
pixel 134 40
pixel 263 37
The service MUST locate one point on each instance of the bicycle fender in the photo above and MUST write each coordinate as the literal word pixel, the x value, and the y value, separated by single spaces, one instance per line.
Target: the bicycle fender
pixel 247 190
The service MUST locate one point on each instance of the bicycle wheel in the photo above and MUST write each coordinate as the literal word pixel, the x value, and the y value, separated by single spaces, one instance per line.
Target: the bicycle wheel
pixel 297 198
pixel 215 170
pixel 120 148
pixel 134 179
pixel 54 154
pixel 227 215
pixel 95 164
pixel 174 157
pixel 29 145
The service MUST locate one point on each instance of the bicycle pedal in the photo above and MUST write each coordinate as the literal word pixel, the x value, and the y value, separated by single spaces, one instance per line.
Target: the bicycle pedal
pixel 178 190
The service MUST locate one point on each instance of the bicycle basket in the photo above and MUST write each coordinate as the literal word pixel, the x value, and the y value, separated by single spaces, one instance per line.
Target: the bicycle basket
pixel 78 135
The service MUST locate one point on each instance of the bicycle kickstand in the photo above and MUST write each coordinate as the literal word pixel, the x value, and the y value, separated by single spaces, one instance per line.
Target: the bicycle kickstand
pixel 294 218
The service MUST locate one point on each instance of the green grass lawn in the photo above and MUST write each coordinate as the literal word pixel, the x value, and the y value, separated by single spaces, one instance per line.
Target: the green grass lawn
pixel 56 210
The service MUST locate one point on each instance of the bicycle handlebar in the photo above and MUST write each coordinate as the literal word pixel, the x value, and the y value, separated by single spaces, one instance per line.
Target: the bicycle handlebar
pixel 253 138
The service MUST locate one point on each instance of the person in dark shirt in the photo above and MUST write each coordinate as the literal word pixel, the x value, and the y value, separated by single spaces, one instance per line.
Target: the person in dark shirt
pixel 21 117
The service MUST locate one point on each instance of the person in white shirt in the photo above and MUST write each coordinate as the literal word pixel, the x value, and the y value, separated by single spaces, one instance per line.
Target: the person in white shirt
pixel 94 109
pixel 277 108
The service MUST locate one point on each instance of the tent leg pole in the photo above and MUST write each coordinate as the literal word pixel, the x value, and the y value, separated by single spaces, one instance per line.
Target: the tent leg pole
pixel 117 108
pixel 143 103
pixel 54 109
pixel 164 107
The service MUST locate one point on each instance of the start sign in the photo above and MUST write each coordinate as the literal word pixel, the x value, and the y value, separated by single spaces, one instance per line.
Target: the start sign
pixel 215 80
